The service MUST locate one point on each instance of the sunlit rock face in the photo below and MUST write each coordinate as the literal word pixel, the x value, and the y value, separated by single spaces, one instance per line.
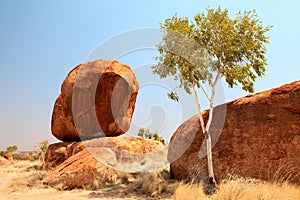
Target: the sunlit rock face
pixel 97 99
pixel 260 138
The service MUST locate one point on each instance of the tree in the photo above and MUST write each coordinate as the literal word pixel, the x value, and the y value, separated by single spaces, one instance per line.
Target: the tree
pixel 40 151
pixel 43 146
pixel 2 153
pixel 209 49
pixel 146 134
pixel 11 149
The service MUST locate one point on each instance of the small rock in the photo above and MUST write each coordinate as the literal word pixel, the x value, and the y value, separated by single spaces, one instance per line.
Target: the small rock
pixel 9 156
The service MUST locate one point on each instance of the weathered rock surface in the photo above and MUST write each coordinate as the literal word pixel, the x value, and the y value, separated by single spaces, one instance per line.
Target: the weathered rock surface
pixel 88 163
pixel 97 99
pixel 9 156
pixel 4 161
pixel 81 170
pixel 260 139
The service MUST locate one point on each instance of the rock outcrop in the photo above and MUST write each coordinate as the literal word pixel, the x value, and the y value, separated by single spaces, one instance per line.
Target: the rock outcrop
pixel 81 170
pixel 97 99
pixel 9 156
pixel 4 161
pixel 260 139
pixel 86 164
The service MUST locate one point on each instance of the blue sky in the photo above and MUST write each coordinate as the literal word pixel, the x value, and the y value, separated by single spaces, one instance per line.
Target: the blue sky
pixel 41 41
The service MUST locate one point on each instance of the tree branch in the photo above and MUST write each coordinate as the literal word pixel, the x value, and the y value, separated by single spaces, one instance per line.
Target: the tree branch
pixel 199 109
pixel 211 102
pixel 205 93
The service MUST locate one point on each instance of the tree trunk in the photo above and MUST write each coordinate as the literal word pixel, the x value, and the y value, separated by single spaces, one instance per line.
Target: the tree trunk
pixel 211 176
pixel 199 110
pixel 205 128
pixel 207 135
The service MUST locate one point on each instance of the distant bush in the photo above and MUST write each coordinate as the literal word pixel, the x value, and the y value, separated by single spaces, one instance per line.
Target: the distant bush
pixel 146 134
pixel 2 153
pixel 11 149
pixel 40 151
pixel 16 156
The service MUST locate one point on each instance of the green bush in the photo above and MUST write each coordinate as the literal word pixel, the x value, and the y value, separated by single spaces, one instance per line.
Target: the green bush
pixel 2 153
pixel 12 148
pixel 146 134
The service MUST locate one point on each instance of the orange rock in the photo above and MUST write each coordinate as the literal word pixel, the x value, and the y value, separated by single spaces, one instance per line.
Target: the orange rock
pixel 9 156
pixel 97 99
pixel 59 152
pixel 260 138
pixel 25 156
pixel 81 170
pixel 89 163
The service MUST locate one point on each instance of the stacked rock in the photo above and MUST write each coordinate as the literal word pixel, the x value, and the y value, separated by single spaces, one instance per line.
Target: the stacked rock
pixel 97 99
pixel 96 104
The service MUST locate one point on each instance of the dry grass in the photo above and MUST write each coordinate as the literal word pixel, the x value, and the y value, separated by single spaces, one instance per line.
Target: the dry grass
pixel 23 180
pixel 241 189
pixel 29 175
pixel 149 184
pixel 152 184
pixel 190 192
pixel 26 178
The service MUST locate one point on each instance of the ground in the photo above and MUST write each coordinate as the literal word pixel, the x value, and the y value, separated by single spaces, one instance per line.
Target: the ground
pixel 24 180
pixel 21 180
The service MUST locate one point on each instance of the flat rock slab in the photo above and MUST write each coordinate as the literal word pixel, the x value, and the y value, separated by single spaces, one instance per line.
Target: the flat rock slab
pixel 83 164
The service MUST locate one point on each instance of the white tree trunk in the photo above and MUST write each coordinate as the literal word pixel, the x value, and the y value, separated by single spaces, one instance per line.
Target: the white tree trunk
pixel 205 128
pixel 209 160
pixel 208 136
pixel 199 110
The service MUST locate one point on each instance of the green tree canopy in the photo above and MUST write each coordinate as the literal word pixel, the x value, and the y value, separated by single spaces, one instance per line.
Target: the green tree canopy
pixel 12 148
pixel 234 48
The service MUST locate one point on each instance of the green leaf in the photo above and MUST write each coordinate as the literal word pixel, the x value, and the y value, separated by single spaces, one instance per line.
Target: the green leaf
pixel 191 52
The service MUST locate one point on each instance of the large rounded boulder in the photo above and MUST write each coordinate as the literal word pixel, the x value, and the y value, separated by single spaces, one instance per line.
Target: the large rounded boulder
pixel 260 139
pixel 97 99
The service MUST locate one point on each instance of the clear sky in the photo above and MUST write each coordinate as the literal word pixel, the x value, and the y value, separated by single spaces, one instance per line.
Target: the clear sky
pixel 41 41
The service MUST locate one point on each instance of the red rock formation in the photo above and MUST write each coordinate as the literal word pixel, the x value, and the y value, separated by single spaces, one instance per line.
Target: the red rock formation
pixel 81 170
pixel 25 156
pixel 59 152
pixel 9 156
pixel 260 139
pixel 84 164
pixel 97 99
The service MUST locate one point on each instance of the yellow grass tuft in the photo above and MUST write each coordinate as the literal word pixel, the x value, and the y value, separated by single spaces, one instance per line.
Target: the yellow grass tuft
pixel 152 184
pixel 241 189
pixel 190 192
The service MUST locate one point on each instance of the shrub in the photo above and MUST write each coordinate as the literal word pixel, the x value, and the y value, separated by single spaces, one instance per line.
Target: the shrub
pixel 40 150
pixel 146 134
pixel 12 149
